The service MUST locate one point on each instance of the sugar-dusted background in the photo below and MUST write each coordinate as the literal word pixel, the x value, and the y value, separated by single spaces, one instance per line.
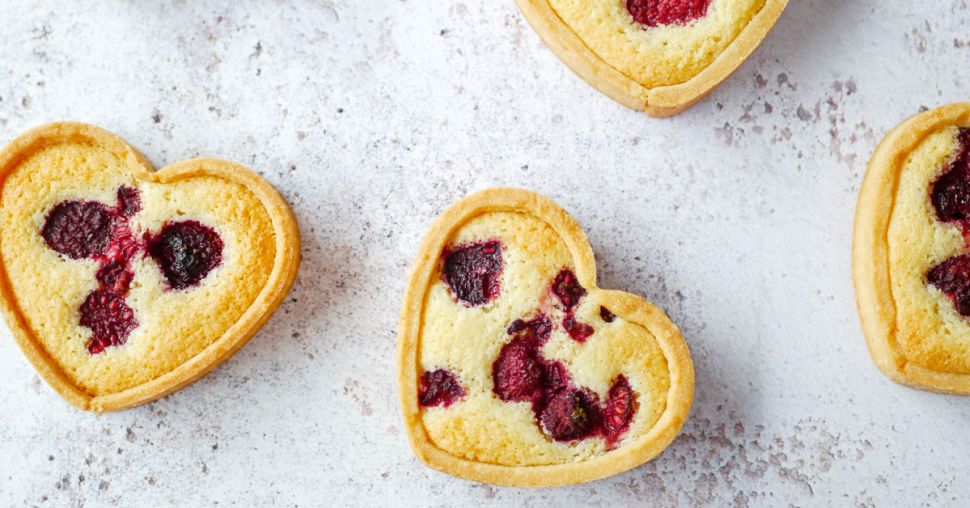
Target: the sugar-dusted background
pixel 371 117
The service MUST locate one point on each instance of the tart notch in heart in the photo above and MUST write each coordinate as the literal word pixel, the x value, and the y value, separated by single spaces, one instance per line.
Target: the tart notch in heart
pixel 122 284
pixel 911 252
pixel 515 369
pixel 659 56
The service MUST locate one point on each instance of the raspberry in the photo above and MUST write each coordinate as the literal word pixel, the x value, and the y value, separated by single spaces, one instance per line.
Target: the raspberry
pixel 566 287
pixel 517 373
pixel 439 388
pixel 953 278
pixel 109 318
pixel 666 12
pixel 621 405
pixel 115 276
pixel 129 201
pixel 570 415
pixel 78 229
pixel 950 194
pixel 473 271
pixel 606 315
pixel 578 331
pixel 186 252
pixel 554 377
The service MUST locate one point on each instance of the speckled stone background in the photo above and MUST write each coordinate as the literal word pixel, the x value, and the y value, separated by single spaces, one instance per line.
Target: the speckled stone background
pixel 371 117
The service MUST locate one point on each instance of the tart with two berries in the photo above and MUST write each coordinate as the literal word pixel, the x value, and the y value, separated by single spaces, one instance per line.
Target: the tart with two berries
pixel 660 56
pixel 121 284
pixel 515 369
pixel 911 252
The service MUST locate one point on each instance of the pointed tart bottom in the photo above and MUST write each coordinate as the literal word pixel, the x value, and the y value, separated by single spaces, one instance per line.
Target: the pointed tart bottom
pixel 484 439
pixel 182 334
pixel 914 334
pixel 656 101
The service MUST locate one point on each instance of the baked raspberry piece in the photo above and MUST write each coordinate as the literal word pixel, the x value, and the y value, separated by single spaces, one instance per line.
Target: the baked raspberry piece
pixel 439 388
pixel 621 406
pixel 519 371
pixel 606 315
pixel 110 319
pixel 186 252
pixel 666 12
pixel 952 277
pixel 570 414
pixel 567 288
pixel 578 331
pixel 78 229
pixel 950 194
pixel 473 271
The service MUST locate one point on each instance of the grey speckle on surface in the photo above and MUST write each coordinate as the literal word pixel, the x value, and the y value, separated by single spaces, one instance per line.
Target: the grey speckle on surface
pixel 371 117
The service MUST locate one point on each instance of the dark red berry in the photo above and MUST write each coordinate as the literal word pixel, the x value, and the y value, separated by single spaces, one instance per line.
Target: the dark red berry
pixel 517 326
pixel 554 377
pixel 570 415
pixel 621 405
pixel 517 373
pixel 951 191
pixel 566 287
pixel 439 388
pixel 78 229
pixel 606 315
pixel 952 277
pixel 186 252
pixel 115 276
pixel 109 318
pixel 666 12
pixel 578 331
pixel 473 272
pixel 129 201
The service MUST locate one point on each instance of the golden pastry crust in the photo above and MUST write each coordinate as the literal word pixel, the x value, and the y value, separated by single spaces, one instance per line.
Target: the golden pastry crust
pixel 634 66
pixel 182 335
pixel 914 334
pixel 502 445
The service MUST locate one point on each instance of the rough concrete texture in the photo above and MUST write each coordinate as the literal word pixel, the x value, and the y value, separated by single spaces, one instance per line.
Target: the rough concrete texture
pixel 371 117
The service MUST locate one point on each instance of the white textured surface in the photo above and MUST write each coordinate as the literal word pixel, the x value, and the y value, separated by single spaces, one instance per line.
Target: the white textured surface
pixel 371 117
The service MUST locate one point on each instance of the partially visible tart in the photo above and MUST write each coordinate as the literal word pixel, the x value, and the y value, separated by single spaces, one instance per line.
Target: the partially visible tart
pixel 911 252
pixel 515 368
pixel 660 56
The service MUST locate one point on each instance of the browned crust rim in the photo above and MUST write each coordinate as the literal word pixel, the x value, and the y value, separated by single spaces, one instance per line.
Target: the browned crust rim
pixel 287 260
pixel 631 307
pixel 662 101
pixel 870 251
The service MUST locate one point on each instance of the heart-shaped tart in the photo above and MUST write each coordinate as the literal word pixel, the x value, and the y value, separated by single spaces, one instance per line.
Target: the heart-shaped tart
pixel 911 252
pixel 515 369
pixel 121 284
pixel 660 56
